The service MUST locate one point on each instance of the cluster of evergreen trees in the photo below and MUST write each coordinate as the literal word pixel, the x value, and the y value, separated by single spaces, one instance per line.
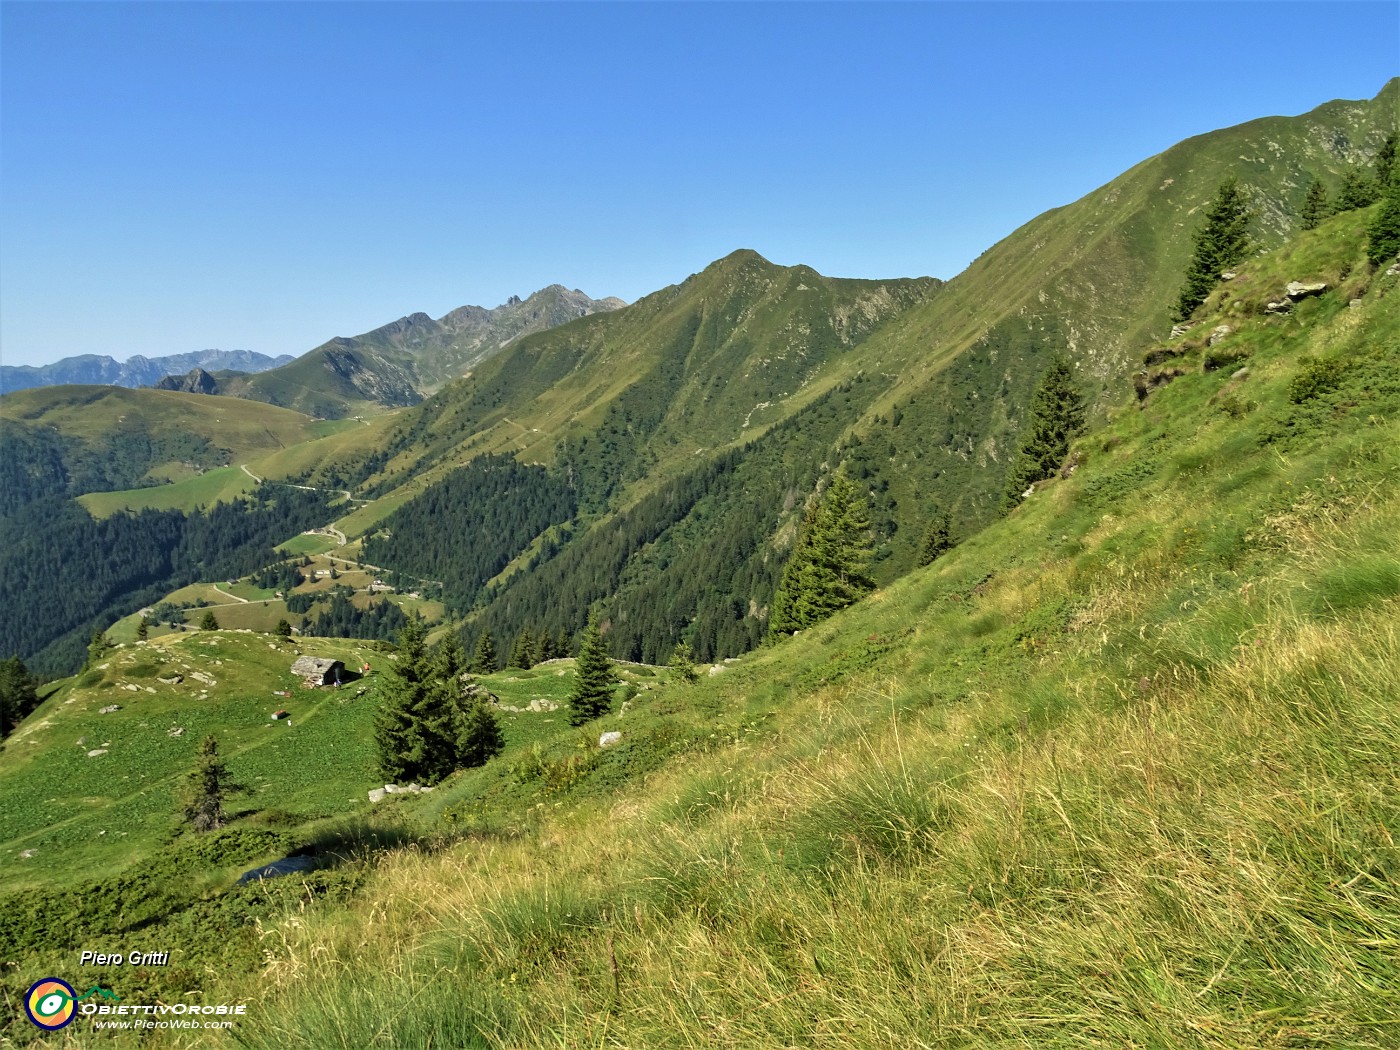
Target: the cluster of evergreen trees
pixel 531 647
pixel 1360 188
pixel 63 573
pixel 430 723
pixel 381 620
pixel 284 577
pixel 40 463
pixel 497 506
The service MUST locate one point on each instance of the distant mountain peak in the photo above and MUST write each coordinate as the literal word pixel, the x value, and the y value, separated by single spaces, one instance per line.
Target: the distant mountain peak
pixel 137 370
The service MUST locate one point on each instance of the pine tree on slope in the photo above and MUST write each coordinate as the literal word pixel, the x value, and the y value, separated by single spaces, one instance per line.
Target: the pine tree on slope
pixel 1057 414
pixel 205 790
pixel 484 660
pixel 938 539
pixel 1315 207
pixel 826 570
pixel 594 678
pixel 1383 236
pixel 396 735
pixel 1220 243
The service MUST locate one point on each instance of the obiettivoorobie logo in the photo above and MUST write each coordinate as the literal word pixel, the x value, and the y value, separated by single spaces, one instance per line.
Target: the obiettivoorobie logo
pixel 51 1003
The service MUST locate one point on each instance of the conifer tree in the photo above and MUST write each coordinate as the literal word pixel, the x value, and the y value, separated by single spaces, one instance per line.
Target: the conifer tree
pixel 594 678
pixel 1315 207
pixel 436 721
pixel 477 731
pixel 18 694
pixel 1358 190
pixel 683 663
pixel 97 650
pixel 484 659
pixel 1221 242
pixel 522 652
pixel 1383 236
pixel 210 622
pixel 826 570
pixel 1056 415
pixel 205 789
pixel 143 630
pixel 938 539
pixel 283 629
pixel 1385 160
pixel 397 738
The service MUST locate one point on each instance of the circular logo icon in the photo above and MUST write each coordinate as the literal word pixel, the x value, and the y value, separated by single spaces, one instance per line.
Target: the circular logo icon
pixel 49 1003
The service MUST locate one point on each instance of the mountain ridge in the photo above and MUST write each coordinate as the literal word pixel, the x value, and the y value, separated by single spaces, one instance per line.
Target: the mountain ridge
pixel 399 363
pixel 137 370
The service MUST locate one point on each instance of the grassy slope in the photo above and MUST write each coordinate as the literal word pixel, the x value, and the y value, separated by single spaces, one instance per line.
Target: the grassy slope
pixel 705 354
pixel 1117 771
pixel 236 430
pixel 220 485
pixel 90 413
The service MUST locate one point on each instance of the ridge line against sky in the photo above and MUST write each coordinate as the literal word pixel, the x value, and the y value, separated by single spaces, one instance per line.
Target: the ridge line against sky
pixel 267 176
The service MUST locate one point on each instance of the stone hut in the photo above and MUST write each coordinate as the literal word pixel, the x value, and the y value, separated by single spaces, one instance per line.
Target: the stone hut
pixel 313 670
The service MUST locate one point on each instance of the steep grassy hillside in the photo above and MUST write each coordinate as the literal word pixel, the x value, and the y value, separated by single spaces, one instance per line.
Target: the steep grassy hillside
pixel 1116 771
pixel 74 439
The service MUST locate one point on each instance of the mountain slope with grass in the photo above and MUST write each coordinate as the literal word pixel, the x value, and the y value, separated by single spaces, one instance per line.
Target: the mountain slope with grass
pixel 1118 769
pixel 71 440
pixel 693 425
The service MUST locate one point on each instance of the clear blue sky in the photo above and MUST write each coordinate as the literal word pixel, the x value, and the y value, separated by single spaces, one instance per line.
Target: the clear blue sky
pixel 265 176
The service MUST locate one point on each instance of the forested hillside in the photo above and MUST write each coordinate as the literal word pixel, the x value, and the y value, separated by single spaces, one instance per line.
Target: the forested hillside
pixel 64 574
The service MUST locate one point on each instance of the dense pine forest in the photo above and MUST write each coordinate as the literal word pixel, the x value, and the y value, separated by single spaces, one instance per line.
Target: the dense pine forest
pixel 64 574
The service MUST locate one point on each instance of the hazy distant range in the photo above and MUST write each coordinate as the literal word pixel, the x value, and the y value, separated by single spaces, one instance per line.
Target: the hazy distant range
pixel 134 371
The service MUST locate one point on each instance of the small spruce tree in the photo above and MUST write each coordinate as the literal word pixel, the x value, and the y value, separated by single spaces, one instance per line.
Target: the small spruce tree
pixel 1385 160
pixel 205 789
pixel 1220 243
pixel 522 652
pixel 1358 190
pixel 1383 235
pixel 18 694
pixel 683 663
pixel 1057 414
pixel 938 539
pixel 594 677
pixel 826 570
pixel 210 622
pixel 484 659
pixel 143 630
pixel 1315 207
pixel 97 650
pixel 283 629
pixel 478 732
pixel 397 738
